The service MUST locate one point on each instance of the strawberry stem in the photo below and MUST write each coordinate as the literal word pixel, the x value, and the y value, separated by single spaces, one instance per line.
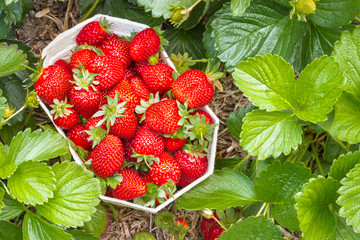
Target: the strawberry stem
pixel 30 68
pixel 90 11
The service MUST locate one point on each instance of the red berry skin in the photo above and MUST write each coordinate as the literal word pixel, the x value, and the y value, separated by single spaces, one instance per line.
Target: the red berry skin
pixel 53 82
pixel 110 71
pixel 194 86
pixel 86 102
pixel 129 73
pixel 64 64
pixel 117 47
pixel 205 114
pixel 140 87
pixel 79 137
pixel 92 33
pixel 158 77
pixel 125 127
pixel 128 150
pixel 107 157
pixel 91 122
pixel 173 144
pixel 82 57
pixel 148 142
pixel 191 168
pixel 181 222
pixel 131 186
pixel 167 168
pixel 163 117
pixel 214 232
pixel 67 121
pixel 144 44
pixel 126 93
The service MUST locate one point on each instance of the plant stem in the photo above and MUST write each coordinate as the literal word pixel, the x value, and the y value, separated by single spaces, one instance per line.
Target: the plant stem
pixel 313 148
pixel 185 11
pixel 267 210
pixel 340 143
pixel 90 11
pixel 28 117
pixel 30 68
pixel 261 209
pixel 17 112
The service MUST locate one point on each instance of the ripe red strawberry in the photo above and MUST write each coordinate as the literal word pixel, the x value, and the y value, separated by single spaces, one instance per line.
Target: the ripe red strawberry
pixel 93 33
pixel 81 57
pixel 173 144
pixel 131 186
pixel 163 117
pixel 136 66
pixel 206 224
pixel 92 122
pixel 107 157
pixel 214 232
pixel 125 127
pixel 194 86
pixel 129 73
pixel 96 133
pixel 191 167
pixel 126 93
pixel 167 168
pixel 64 115
pixel 128 150
pixel 140 87
pixel 116 47
pixel 148 142
pixel 85 96
pixel 103 94
pixel 110 71
pixel 181 222
pixel 203 113
pixel 147 178
pixel 53 83
pixel 158 77
pixel 79 137
pixel 64 64
pixel 144 44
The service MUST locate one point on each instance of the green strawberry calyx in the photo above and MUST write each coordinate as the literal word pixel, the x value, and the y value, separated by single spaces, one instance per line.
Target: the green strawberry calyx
pixel 98 51
pixel 60 108
pixel 144 162
pixel 96 134
pixel 303 8
pixel 141 109
pixel 159 193
pixel 114 180
pixel 179 15
pixel 83 79
pixel 111 111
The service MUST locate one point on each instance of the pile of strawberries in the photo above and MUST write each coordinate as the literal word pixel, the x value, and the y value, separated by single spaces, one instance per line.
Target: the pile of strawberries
pixel 137 120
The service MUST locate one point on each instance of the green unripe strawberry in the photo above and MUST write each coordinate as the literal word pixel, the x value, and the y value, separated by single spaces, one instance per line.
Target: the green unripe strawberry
pixel 303 8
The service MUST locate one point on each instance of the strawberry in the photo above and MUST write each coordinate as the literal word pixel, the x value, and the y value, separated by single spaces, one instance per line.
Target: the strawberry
pixel 144 44
pixel 158 77
pixel 206 224
pixel 81 57
pixel 64 64
pixel 125 127
pixel 140 87
pixel 192 166
pixel 129 73
pixel 194 86
pixel 181 222
pixel 96 133
pixel 166 169
pixel 116 47
pixel 136 66
pixel 148 142
pixel 64 115
pixel 214 232
pixel 79 137
pixel 93 33
pixel 128 150
pixel 126 93
pixel 110 71
pixel 207 116
pixel 163 117
pixel 85 96
pixel 173 144
pixel 131 186
pixel 53 83
pixel 108 157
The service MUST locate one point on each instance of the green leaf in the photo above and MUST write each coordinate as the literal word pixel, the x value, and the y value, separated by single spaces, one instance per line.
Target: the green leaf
pixel 6 167
pixel 6 30
pixel 237 164
pixel 235 120
pixel 14 12
pixel 196 15
pixel 332 150
pixel 347 52
pixel 268 134
pixel 98 221
pixel 32 183
pixel 265 27
pixel 256 167
pixel 349 198
pixel 253 228
pixel 8 132
pixel 2 204
pixel 277 185
pixel 314 208
pixel 11 209
pixel 161 8
pixel 346 123
pixel 317 89
pixel 344 231
pixel 81 235
pixel 11 59
pixel 209 42
pixel 36 228
pixel 343 165
pixel 181 41
pixel 75 197
pixel 9 231
pixel 238 7
pixel 223 189
pixel 103 7
pixel 30 56
pixel 37 146
pixel 268 81
pixel 333 14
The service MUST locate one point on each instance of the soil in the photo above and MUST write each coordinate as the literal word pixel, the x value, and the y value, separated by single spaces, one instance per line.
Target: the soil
pixel 42 25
